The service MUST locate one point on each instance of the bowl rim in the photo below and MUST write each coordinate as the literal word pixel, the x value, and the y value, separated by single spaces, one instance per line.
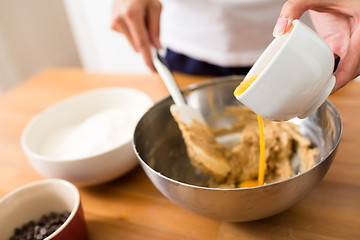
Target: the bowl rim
pixel 50 181
pixel 219 80
pixel 66 101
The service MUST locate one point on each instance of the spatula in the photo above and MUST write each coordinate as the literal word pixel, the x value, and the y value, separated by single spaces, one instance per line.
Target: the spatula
pixel 209 160
pixel 186 113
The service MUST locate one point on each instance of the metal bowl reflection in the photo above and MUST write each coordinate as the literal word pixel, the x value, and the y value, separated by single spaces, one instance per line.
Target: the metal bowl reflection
pixel 162 154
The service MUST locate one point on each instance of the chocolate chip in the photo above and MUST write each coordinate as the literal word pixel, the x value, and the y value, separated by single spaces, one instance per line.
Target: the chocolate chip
pixel 41 229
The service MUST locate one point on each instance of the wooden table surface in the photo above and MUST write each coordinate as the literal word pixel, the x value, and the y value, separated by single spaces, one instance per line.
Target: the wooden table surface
pixel 130 207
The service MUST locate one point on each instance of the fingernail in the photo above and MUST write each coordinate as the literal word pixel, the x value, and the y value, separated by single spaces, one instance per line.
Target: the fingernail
pixel 280 26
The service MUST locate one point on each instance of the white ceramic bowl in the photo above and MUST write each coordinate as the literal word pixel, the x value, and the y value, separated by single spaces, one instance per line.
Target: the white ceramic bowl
pixel 295 76
pixel 90 167
pixel 30 202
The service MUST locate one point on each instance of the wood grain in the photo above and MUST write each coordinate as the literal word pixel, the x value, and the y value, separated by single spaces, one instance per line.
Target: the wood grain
pixel 130 207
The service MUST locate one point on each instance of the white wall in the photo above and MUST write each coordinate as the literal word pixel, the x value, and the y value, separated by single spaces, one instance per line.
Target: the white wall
pixel 38 34
pixel 101 49
pixel 33 35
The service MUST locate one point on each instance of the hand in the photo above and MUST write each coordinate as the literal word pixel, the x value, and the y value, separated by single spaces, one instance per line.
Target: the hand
pixel 139 21
pixel 338 22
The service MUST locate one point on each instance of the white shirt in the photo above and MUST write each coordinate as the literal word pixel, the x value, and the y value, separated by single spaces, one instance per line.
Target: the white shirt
pixel 222 32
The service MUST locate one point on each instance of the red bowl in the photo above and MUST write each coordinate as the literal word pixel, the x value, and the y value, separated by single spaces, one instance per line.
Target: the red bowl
pixel 30 202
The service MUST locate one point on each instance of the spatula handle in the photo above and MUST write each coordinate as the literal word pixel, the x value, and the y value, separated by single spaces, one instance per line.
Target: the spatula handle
pixel 167 77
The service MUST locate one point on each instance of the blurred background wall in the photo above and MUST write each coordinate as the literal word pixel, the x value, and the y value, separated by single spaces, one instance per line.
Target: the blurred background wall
pixel 38 34
pixel 33 35
pixel 101 49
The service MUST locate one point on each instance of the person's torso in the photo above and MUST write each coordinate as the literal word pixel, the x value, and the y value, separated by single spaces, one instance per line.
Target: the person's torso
pixel 222 32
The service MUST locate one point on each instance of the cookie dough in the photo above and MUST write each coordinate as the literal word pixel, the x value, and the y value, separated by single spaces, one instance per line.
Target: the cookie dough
pixel 229 166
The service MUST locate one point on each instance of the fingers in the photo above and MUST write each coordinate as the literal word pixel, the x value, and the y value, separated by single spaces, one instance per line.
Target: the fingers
pixel 136 23
pixel 153 23
pixel 121 27
pixel 139 21
pixel 294 9
pixel 118 23
pixel 291 10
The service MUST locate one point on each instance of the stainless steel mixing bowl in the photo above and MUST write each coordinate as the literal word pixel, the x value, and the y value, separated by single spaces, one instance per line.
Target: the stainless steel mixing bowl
pixel 162 154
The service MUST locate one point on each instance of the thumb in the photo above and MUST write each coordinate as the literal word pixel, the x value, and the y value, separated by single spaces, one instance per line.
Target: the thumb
pixel 291 10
